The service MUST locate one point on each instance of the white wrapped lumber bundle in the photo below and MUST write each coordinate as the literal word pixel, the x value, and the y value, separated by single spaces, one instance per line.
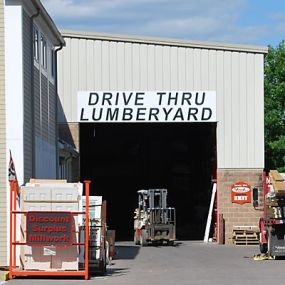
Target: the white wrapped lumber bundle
pixel 277 181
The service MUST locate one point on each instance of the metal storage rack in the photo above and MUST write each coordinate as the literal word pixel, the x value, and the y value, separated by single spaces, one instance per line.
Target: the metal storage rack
pixel 13 270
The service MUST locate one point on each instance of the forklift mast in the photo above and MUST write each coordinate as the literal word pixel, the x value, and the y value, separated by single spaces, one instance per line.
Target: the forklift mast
pixel 152 198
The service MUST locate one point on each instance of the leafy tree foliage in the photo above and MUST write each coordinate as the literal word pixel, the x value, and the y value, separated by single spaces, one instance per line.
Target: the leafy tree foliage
pixel 274 106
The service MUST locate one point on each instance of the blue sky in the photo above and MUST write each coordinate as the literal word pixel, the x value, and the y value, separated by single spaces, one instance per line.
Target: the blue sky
pixel 257 22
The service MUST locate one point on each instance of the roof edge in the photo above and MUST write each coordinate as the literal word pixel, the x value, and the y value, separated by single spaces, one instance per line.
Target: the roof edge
pixel 49 21
pixel 164 41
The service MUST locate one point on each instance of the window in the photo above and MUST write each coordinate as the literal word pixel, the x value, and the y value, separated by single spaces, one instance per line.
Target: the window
pixel 36 44
pixel 43 52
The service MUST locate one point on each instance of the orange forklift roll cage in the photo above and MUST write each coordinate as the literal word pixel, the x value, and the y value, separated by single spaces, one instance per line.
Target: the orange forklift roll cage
pixel 13 271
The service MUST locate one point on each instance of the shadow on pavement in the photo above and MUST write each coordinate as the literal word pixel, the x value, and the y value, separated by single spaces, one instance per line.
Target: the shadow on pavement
pixel 176 244
pixel 127 251
pixel 116 271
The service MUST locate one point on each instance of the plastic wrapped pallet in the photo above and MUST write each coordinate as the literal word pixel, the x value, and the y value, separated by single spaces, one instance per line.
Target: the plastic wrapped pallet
pixel 95 228
pixel 51 195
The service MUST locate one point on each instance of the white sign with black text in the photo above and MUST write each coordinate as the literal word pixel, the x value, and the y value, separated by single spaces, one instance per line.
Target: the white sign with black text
pixel 146 106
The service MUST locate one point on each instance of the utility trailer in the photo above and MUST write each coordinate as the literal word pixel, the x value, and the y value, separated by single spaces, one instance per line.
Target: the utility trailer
pixel 272 224
pixel 154 222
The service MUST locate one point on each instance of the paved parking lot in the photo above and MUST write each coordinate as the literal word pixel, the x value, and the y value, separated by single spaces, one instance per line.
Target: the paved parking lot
pixel 186 263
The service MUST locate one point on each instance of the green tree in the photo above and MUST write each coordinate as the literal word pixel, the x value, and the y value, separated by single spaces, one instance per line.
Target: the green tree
pixel 274 108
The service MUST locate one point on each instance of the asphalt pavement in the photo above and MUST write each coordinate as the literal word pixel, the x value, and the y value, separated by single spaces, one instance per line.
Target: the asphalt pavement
pixel 186 263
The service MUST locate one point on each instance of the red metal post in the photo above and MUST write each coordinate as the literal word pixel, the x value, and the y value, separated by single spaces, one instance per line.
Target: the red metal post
pixel 11 232
pixel 15 191
pixel 265 191
pixel 87 184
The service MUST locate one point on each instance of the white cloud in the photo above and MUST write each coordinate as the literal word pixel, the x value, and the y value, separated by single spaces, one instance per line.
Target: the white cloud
pixel 188 19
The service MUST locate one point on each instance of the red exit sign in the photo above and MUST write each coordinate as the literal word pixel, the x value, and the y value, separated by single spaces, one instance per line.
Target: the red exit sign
pixel 49 228
pixel 241 193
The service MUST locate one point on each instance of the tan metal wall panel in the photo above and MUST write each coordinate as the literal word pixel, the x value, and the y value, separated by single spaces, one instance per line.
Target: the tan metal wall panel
pixel 97 80
pixel 105 66
pixel 197 69
pixel 204 69
pixel 259 105
pixel 173 68
pixel 113 66
pixel 158 67
pixel 237 76
pixel 90 66
pixel 189 69
pixel 143 66
pixel 150 65
pixel 242 73
pixel 235 108
pixel 221 140
pixel 227 131
pixel 250 107
pixel 135 67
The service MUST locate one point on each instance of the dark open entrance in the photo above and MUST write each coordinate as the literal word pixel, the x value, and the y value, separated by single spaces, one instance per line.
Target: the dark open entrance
pixel 123 158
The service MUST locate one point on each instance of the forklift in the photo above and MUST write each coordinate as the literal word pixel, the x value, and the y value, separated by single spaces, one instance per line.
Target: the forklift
pixel 154 222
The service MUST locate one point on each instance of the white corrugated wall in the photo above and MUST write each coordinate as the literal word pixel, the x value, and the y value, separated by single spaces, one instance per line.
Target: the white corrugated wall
pixel 237 76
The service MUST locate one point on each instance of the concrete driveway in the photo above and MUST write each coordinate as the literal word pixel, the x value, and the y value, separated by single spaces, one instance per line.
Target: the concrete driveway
pixel 186 263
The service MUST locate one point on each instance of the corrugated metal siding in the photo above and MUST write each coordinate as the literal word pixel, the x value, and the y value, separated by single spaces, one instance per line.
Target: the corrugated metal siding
pixel 37 102
pixel 86 64
pixel 44 107
pixel 52 115
pixel 45 125
pixel 28 115
pixel 3 162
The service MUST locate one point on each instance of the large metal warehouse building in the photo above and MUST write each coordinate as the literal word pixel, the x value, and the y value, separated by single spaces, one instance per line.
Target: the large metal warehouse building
pixel 183 157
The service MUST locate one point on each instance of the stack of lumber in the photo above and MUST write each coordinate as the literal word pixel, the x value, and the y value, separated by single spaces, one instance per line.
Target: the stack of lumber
pixel 275 199
pixel 277 181
pixel 245 235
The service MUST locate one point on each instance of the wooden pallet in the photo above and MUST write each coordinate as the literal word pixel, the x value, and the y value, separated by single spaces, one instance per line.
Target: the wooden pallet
pixel 246 243
pixel 245 236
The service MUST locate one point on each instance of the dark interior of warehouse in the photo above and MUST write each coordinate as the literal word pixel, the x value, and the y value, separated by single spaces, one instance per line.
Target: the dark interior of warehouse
pixel 121 158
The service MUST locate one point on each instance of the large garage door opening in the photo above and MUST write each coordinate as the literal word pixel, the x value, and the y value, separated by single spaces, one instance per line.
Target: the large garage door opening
pixel 123 158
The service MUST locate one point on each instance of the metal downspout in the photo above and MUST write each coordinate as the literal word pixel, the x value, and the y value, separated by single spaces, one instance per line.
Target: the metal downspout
pixel 56 105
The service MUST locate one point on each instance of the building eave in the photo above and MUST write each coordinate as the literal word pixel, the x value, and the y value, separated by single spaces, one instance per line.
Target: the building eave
pixel 165 41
